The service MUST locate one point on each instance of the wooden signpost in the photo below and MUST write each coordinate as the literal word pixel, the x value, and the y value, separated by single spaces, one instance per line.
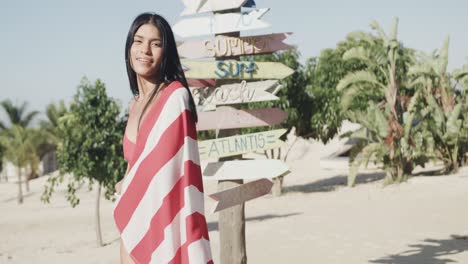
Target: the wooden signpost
pixel 229 118
pixel 213 83
pixel 241 144
pixel 223 46
pixel 201 6
pixel 230 69
pixel 221 23
pixel 241 194
pixel 208 98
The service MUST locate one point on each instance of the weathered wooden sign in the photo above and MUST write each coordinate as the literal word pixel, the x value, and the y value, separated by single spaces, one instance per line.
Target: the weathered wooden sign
pixel 229 69
pixel 200 6
pixel 241 194
pixel 244 169
pixel 228 118
pixel 245 92
pixel 221 23
pixel 223 46
pixel 236 145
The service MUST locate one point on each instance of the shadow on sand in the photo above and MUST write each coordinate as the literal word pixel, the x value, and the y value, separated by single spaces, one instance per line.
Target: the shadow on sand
pixel 429 251
pixel 213 226
pixel 330 184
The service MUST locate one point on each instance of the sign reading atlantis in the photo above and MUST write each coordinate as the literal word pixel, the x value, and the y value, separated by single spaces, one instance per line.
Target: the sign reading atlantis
pixel 236 145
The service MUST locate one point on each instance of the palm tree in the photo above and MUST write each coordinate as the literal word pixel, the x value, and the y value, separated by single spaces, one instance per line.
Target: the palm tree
pixel 19 150
pixel 51 132
pixel 53 112
pixel 388 131
pixel 444 106
pixel 17 114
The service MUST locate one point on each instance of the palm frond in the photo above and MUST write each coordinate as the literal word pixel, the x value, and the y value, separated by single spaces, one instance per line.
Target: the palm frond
pixel 363 157
pixel 443 57
pixel 421 69
pixel 358 77
pixel 359 53
pixel 363 36
pixel 375 26
pixel 394 32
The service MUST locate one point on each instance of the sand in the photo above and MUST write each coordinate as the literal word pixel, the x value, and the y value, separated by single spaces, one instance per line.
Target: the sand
pixel 316 220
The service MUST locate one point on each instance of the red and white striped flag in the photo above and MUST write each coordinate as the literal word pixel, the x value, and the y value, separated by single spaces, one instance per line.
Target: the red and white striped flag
pixel 160 212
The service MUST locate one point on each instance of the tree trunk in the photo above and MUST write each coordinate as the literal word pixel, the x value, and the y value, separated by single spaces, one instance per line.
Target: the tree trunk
pixel 27 176
pixel 277 188
pixel 98 218
pixel 20 189
pixel 455 160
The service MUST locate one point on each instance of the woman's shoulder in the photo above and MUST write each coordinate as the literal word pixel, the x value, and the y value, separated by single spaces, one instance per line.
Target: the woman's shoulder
pixel 176 87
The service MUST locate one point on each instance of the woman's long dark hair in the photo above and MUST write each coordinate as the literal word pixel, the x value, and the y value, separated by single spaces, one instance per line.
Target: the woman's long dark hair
pixel 170 69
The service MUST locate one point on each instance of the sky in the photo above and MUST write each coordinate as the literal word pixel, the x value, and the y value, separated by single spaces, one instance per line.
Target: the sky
pixel 47 46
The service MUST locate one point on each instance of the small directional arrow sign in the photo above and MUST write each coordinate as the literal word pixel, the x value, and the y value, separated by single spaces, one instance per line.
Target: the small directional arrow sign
pixel 228 118
pixel 237 93
pixel 230 69
pixel 221 23
pixel 223 46
pixel 241 194
pixel 244 169
pixel 201 6
pixel 235 145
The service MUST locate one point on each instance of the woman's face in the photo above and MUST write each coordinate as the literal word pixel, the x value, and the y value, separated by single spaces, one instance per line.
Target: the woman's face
pixel 146 51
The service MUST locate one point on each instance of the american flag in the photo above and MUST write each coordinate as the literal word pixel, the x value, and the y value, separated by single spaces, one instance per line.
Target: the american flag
pixel 160 212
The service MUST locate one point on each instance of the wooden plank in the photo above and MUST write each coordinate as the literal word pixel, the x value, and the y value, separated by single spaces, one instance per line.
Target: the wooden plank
pixel 236 145
pixel 201 6
pixel 229 69
pixel 228 118
pixel 244 169
pixel 241 194
pixel 221 23
pixel 201 82
pixel 245 92
pixel 223 46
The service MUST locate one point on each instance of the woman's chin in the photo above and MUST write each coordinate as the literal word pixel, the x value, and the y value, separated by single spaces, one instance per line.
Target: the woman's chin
pixel 147 74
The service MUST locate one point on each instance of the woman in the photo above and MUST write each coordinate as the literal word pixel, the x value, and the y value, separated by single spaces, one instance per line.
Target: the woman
pixel 159 210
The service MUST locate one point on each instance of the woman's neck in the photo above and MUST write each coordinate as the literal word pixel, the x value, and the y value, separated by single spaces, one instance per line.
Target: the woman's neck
pixel 145 87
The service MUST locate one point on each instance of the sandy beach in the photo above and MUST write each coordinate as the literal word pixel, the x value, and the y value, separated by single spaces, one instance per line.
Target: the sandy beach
pixel 316 220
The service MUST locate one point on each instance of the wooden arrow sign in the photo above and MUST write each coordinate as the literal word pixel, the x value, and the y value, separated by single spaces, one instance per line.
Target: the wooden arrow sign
pixel 223 46
pixel 244 169
pixel 241 194
pixel 228 118
pixel 221 23
pixel 230 146
pixel 230 69
pixel 237 93
pixel 201 6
